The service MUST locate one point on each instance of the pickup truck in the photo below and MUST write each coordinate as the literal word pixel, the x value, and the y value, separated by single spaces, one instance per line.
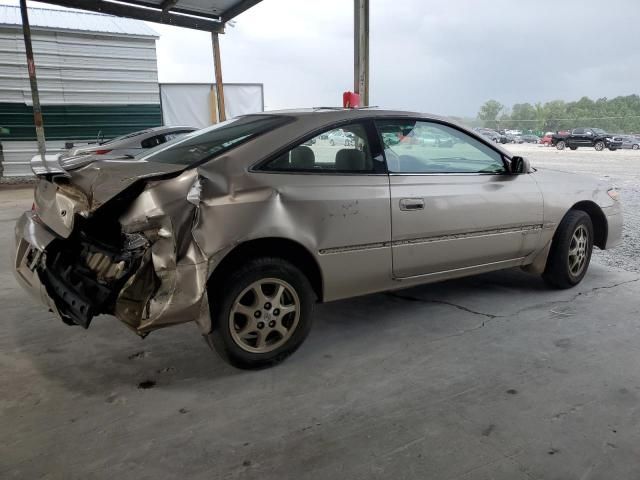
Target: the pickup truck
pixel 586 137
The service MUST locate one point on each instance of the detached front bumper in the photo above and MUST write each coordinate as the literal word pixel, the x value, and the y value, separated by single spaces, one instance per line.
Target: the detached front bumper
pixel 32 239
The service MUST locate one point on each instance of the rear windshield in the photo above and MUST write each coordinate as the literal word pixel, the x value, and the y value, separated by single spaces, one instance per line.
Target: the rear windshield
pixel 128 135
pixel 205 144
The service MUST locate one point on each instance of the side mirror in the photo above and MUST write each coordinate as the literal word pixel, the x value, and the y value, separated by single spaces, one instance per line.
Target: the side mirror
pixel 520 165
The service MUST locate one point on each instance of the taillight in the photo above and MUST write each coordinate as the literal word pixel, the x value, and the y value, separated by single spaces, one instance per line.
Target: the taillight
pixel 101 152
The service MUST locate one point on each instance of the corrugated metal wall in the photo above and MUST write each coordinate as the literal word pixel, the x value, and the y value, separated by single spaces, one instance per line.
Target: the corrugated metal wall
pixel 16 156
pixel 88 83
pixel 80 69
pixel 64 122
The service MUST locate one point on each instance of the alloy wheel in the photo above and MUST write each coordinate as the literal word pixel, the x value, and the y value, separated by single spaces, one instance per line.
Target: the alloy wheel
pixel 578 250
pixel 264 315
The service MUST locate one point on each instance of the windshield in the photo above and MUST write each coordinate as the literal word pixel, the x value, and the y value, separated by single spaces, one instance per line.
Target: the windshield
pixel 599 131
pixel 210 142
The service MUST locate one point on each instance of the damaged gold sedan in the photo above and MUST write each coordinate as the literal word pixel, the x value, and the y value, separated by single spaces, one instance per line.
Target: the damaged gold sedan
pixel 243 226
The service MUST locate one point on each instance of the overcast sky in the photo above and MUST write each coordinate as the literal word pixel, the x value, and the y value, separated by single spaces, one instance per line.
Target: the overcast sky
pixel 444 57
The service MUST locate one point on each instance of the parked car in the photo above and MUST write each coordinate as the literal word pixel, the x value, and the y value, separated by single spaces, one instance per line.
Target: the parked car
pixel 628 141
pixel 445 141
pixel 340 137
pixel 433 139
pixel 491 135
pixel 547 139
pixel 586 137
pixel 529 138
pixel 131 143
pixel 241 227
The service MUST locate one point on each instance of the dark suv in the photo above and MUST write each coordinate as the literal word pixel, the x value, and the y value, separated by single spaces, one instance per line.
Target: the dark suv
pixel 586 137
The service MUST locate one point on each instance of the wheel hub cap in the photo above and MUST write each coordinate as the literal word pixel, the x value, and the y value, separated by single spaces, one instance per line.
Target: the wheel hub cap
pixel 578 250
pixel 264 315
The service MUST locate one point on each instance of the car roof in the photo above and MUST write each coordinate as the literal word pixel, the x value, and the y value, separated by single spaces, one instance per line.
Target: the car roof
pixel 338 113
pixel 322 116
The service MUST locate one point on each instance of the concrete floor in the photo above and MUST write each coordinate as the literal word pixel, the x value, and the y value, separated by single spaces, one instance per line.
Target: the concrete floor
pixel 491 377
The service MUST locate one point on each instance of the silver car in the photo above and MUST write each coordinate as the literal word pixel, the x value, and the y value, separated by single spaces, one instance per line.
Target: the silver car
pixel 340 137
pixel 131 144
pixel 629 141
pixel 243 226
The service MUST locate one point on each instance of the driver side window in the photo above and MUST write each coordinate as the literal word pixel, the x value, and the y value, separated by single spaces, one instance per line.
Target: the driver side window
pixel 340 150
pixel 415 146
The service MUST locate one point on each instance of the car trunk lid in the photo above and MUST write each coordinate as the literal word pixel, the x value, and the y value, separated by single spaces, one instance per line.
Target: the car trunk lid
pixel 83 187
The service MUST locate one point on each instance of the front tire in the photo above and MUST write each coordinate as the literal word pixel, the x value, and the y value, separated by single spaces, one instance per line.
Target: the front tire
pixel 635 147
pixel 599 146
pixel 560 145
pixel 332 143
pixel 261 314
pixel 573 148
pixel 571 250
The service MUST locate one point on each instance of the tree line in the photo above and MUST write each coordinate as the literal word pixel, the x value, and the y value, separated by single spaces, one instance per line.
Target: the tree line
pixel 616 115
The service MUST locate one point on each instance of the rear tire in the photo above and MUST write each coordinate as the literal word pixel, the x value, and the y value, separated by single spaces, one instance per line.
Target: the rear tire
pixel 573 148
pixel 635 147
pixel 560 145
pixel 261 314
pixel 571 250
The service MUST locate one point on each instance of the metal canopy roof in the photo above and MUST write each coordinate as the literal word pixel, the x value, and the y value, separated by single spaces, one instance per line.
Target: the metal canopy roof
pixel 82 22
pixel 208 15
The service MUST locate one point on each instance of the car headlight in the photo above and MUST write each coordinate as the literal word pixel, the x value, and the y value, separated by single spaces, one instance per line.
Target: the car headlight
pixel 608 139
pixel 614 193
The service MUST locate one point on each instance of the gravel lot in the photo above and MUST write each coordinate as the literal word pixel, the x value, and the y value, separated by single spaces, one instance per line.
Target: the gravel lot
pixel 622 169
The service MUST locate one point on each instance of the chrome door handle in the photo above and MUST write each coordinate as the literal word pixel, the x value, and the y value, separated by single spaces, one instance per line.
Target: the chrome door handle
pixel 409 204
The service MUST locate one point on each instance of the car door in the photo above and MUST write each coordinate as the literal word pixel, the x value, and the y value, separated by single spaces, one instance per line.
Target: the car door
pixel 578 138
pixel 337 197
pixel 457 207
